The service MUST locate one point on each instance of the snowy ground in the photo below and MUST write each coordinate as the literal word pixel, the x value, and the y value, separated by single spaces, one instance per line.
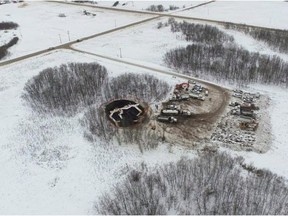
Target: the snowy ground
pixel 260 13
pixel 47 165
pixel 136 43
pixel 41 27
pixel 143 5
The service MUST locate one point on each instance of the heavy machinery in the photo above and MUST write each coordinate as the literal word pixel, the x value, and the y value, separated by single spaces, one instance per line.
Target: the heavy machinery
pixel 182 86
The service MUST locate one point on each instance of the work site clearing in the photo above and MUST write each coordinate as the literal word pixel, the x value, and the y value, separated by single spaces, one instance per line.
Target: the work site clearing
pixel 196 113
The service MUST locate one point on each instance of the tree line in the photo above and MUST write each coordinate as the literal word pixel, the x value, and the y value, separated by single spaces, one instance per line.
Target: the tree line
pixel 161 8
pixel 212 184
pixel 215 55
pixel 230 63
pixel 276 39
pixel 199 33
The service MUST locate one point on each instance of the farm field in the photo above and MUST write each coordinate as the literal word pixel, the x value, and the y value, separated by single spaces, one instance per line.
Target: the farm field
pixel 49 29
pixel 269 14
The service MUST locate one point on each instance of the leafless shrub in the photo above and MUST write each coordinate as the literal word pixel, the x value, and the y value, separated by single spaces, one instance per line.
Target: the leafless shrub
pixel 210 184
pixel 96 122
pixel 156 8
pixel 145 139
pixel 8 25
pixel 65 89
pixel 4 48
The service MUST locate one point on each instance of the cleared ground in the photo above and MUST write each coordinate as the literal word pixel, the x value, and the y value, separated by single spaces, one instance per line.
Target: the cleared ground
pixel 194 130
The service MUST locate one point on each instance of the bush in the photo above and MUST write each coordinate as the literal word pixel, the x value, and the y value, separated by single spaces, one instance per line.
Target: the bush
pixel 65 89
pixel 173 7
pixel 8 25
pixel 5 47
pixel 155 8
pixel 211 184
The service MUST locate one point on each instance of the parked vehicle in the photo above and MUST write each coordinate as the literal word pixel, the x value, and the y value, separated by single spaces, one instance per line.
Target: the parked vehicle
pixel 235 112
pixel 184 96
pixel 234 104
pixel 238 91
pixel 173 106
pixel 186 113
pixel 237 95
pixel 191 81
pixel 197 96
pixel 170 112
pixel 169 119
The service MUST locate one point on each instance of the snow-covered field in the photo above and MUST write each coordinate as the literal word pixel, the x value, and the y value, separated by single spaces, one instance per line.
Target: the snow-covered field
pixel 136 43
pixel 40 26
pixel 271 14
pixel 142 43
pixel 143 5
pixel 48 167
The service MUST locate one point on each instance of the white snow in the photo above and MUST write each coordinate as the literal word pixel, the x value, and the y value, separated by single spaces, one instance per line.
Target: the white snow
pixel 271 14
pixel 143 5
pixel 40 26
pixel 138 43
pixel 47 165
